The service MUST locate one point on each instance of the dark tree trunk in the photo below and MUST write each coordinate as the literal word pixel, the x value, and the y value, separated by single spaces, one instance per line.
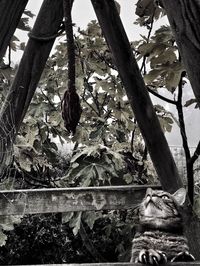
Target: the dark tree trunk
pixel 137 94
pixel 10 14
pixel 184 18
pixel 144 112
pixel 30 69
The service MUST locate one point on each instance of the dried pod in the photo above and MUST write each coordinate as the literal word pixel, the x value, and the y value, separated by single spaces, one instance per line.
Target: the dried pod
pixel 71 110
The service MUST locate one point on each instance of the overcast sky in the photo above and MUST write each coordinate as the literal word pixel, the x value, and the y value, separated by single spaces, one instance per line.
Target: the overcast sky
pixel 82 14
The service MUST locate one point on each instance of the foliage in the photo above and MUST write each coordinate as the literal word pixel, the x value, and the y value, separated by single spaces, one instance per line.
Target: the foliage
pixel 106 127
pixel 157 52
pixel 7 224
pixel 39 239
pixel 162 53
pixel 44 239
pixel 107 147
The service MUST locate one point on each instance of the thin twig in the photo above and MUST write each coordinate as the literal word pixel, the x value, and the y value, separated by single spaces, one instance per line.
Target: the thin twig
pixel 143 66
pixel 132 136
pixel 189 163
pixel 181 119
pixel 160 96
pixel 83 97
pixel 196 154
pixel 9 55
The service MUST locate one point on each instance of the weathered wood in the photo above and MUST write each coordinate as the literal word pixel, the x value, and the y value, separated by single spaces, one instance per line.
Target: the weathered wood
pixel 186 27
pixel 138 96
pixel 10 14
pixel 195 263
pixel 184 18
pixel 70 199
pixel 34 59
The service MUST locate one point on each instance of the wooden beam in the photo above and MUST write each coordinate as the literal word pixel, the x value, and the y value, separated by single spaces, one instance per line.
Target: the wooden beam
pixel 10 14
pixel 18 202
pixel 137 93
pixel 186 26
pixel 195 263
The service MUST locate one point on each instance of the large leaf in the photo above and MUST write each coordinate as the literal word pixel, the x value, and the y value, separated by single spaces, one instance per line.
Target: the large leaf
pixel 75 223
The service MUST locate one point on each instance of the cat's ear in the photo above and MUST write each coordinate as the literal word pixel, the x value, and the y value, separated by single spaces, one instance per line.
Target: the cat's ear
pixel 180 196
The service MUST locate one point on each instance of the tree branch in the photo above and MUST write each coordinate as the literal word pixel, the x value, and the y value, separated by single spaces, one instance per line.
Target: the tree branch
pixel 196 154
pixel 160 96
pixel 148 37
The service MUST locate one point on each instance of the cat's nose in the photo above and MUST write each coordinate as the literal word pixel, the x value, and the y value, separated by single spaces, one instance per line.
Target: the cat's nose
pixel 149 191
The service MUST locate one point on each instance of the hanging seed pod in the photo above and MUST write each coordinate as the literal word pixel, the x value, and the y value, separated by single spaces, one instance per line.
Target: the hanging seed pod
pixel 71 110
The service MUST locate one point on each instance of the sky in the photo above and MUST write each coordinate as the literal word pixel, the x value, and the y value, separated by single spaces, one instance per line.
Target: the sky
pixel 83 13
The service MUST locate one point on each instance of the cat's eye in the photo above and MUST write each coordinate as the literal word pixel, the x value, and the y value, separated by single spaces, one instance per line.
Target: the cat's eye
pixel 165 197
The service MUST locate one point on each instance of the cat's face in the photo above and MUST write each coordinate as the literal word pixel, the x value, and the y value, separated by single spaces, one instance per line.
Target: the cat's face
pixel 159 207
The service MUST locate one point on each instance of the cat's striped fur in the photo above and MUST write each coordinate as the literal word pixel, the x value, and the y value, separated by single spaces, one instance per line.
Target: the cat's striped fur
pixel 160 234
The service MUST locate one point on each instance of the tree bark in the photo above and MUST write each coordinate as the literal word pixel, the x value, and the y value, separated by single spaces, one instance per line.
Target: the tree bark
pixel 30 69
pixel 137 94
pixel 139 99
pixel 184 18
pixel 10 14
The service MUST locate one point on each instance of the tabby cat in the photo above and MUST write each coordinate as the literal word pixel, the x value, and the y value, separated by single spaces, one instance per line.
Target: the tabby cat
pixel 160 238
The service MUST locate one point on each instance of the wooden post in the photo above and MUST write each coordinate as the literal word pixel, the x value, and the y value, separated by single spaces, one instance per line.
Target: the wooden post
pixel 138 96
pixel 10 14
pixel 184 18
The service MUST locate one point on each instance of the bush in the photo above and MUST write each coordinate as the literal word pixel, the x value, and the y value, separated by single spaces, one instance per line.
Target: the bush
pixel 43 239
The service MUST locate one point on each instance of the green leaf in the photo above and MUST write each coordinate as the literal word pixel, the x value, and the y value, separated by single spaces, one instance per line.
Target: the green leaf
pixel 55 118
pixel 90 217
pixel 163 35
pixel 146 48
pixel 75 223
pixel 7 222
pixel 128 178
pixel 88 151
pixel 67 216
pixel 3 238
pixel 152 75
pixel 145 8
pixel 96 133
pixel 168 56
